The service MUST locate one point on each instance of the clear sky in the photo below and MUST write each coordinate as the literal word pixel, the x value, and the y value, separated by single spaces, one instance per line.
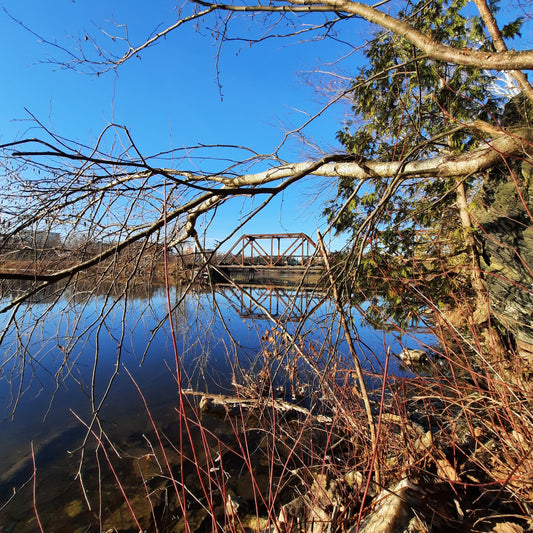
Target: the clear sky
pixel 170 97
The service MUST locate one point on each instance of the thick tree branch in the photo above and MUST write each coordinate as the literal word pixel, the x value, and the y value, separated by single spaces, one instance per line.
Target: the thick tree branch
pixel 512 144
pixel 499 44
pixel 508 60
pixel 217 188
pixel 501 60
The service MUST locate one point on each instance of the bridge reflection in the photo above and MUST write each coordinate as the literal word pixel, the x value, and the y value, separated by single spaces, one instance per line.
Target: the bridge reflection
pixel 270 301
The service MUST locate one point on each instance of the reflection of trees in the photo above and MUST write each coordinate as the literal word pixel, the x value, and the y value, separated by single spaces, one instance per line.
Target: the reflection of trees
pixel 48 336
pixel 81 292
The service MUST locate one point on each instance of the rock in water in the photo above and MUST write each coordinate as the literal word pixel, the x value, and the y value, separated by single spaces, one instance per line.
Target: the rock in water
pixel 413 357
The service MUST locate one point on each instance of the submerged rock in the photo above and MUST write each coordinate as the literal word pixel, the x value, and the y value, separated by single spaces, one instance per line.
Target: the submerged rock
pixel 121 519
pixel 74 508
pixel 413 357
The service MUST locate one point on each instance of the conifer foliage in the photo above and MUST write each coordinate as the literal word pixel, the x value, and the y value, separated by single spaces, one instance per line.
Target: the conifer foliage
pixel 407 107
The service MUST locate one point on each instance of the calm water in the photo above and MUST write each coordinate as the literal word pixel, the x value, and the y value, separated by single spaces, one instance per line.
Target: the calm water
pixel 56 350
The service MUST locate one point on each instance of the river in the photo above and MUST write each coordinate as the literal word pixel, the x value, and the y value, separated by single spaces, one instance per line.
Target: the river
pixel 65 356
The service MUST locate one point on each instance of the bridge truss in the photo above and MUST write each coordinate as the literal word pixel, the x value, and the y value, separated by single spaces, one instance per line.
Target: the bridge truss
pixel 272 250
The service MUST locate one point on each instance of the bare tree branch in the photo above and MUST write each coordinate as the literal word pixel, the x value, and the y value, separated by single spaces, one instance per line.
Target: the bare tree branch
pixel 502 60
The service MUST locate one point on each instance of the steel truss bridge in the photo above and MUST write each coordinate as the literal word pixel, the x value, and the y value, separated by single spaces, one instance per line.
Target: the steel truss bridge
pixel 272 258
pixel 272 250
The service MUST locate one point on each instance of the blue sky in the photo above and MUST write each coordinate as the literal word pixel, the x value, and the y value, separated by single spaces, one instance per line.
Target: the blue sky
pixel 170 97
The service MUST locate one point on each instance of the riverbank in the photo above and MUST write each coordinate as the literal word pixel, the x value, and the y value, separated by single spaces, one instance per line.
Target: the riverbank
pixel 249 463
pixel 286 443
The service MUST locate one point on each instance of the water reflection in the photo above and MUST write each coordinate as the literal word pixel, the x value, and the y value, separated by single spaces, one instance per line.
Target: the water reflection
pixel 65 355
pixel 272 302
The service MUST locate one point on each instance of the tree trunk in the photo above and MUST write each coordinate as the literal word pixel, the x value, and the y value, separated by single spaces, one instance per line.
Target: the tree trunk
pixel 476 278
pixel 481 310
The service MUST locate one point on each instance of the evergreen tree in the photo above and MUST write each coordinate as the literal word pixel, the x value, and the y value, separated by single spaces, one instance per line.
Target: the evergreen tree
pixel 408 107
